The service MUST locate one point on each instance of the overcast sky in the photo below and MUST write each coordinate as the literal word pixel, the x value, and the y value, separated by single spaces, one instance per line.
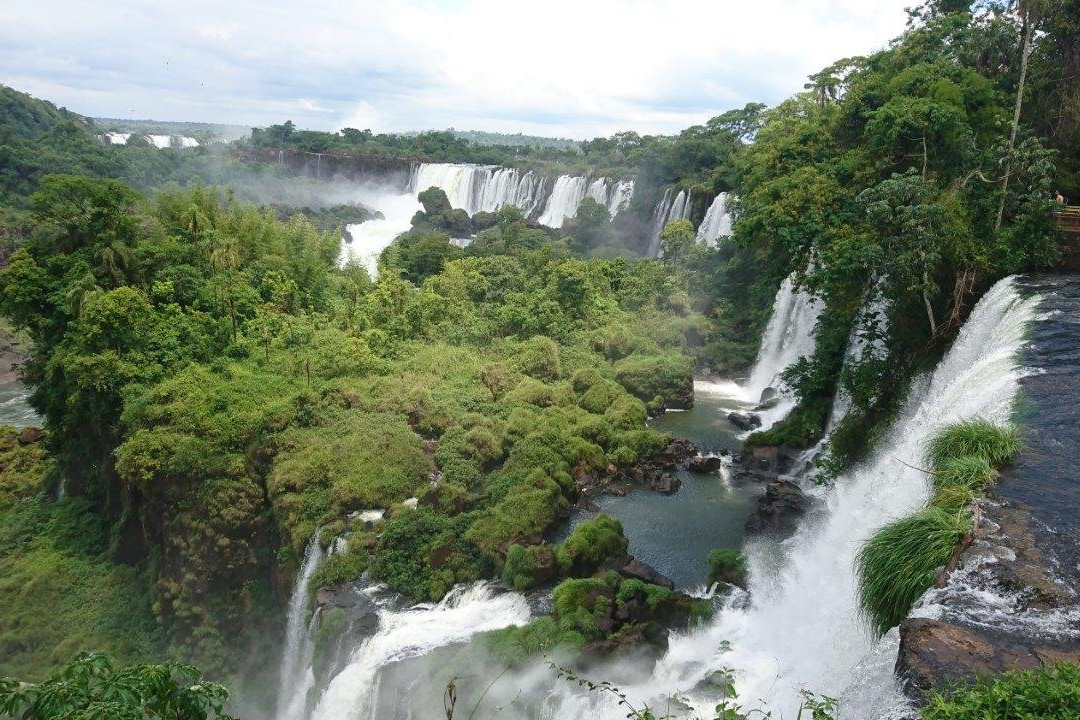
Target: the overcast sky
pixel 572 68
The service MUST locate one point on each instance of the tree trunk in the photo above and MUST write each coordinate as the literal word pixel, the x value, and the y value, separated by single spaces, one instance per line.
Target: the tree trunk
pixel 1025 53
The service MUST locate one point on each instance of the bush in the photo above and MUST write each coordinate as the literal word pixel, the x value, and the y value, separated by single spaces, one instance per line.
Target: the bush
pixel 422 555
pixel 668 375
pixel 1042 694
pixel 539 358
pixel 593 542
pixel 978 437
pixel 727 566
pixel 897 564
pixel 626 413
pixel 515 646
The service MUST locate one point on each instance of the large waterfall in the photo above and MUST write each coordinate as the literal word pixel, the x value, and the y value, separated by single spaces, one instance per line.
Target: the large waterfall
pixel 476 188
pixel 801 628
pixel 295 677
pixel 717 221
pixel 403 634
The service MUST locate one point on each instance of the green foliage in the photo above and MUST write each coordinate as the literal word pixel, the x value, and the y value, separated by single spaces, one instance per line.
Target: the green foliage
pixel 973 438
pixel 649 376
pixel 1047 693
pixel 91 686
pixel 727 566
pixel 971 472
pixel 897 564
pixel 422 554
pixel 594 542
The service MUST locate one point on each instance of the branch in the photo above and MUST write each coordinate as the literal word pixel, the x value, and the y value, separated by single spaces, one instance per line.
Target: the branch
pixel 915 467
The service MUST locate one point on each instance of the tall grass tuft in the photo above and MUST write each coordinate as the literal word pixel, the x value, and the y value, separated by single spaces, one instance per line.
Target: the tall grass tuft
pixel 897 564
pixel 953 498
pixel 972 472
pixel 978 437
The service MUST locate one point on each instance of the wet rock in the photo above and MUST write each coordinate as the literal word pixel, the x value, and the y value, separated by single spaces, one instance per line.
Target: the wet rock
pixel 779 509
pixel 631 567
pixel 360 612
pixel 767 404
pixel 744 421
pixel 677 452
pixel 704 464
pixel 665 484
pixel 934 653
pixel 346 235
pixel 30 435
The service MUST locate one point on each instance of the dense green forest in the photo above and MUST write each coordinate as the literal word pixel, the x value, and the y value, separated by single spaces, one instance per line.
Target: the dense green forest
pixel 216 390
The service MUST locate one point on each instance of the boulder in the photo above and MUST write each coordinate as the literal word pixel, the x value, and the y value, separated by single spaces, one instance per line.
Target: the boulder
pixel 30 435
pixel 767 404
pixel 744 421
pixel 704 463
pixel 675 453
pixel 778 509
pixel 769 393
pixel 935 654
pixel 360 612
pixel 665 484
pixel 631 567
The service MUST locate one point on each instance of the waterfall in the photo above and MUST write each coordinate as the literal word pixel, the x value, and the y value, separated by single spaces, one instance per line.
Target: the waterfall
pixel 788 336
pixel 402 634
pixel 463 184
pixel 295 678
pixel 670 208
pixel 717 221
pixel 598 190
pixel 567 194
pixel 865 342
pixel 370 238
pixel 801 627
pixel 620 197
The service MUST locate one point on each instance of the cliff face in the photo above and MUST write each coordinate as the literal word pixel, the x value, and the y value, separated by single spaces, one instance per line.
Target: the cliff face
pixel 1011 599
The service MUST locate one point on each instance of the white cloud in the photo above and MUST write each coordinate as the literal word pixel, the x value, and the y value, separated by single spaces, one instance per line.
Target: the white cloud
pixel 564 67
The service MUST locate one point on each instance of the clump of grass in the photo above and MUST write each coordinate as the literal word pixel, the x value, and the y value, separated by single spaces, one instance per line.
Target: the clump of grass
pixel 972 472
pixel 897 564
pixel 978 438
pixel 953 497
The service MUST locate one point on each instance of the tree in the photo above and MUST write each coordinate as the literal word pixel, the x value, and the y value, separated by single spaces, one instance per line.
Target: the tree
pixel 676 240
pixel 91 687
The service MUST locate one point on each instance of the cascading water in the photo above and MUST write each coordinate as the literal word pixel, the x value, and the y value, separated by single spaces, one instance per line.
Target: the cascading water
pixel 567 194
pixel 367 240
pixel 598 190
pixel 404 634
pixel 801 628
pixel 672 207
pixel 463 184
pixel 620 197
pixel 788 336
pixel 295 677
pixel 717 221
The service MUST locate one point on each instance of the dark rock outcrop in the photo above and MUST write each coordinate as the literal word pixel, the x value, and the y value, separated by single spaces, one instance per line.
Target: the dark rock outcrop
pixel 744 421
pixel 704 463
pixel 631 567
pixel 778 511
pixel 936 653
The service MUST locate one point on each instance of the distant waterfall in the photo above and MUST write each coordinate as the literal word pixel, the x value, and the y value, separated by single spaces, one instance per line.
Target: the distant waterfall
pixel 567 194
pixel 486 188
pixel 788 336
pixel 671 207
pixel 402 634
pixel 620 196
pixel 295 677
pixel 717 221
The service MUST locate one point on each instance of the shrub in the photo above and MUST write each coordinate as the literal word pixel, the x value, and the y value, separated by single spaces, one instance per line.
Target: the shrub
pixel 668 375
pixel 593 542
pixel 897 564
pixel 585 378
pixel 422 555
pixel 539 358
pixel 515 646
pixel 978 437
pixel 727 566
pixel 600 396
pixel 627 413
pixel 1043 694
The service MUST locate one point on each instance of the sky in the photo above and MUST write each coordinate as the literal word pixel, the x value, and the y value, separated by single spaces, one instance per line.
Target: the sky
pixel 564 68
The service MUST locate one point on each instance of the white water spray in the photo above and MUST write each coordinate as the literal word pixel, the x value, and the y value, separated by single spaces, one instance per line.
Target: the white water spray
pixel 403 634
pixel 295 677
pixel 717 221
pixel 567 194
